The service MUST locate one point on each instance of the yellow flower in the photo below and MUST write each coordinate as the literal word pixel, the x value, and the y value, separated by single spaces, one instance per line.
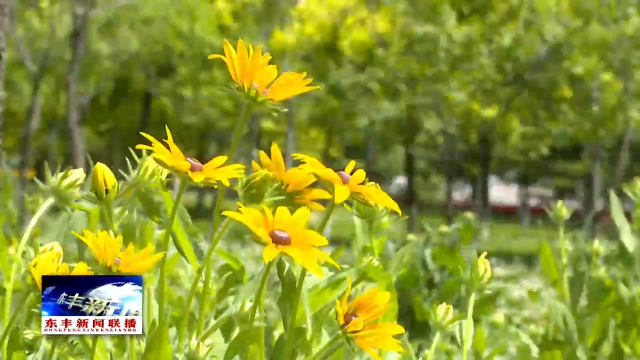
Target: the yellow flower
pixel 348 182
pixel 356 319
pixel 174 160
pixel 48 263
pixel 250 69
pixel 103 182
pixel 285 233
pixel 53 247
pixel 107 250
pixel 295 180
pixel 484 268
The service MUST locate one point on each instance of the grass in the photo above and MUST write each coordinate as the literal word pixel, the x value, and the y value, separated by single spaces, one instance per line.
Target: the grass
pixel 497 237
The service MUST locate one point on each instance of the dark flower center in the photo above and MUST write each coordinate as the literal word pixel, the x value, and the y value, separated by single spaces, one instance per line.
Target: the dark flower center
pixel 348 318
pixel 344 177
pixel 117 261
pixel 195 166
pixel 280 237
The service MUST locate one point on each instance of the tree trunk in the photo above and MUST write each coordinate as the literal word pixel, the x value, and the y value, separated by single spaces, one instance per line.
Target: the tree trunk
pixel 290 146
pixel 485 172
pixel 145 114
pixel 524 196
pixel 450 174
pixel 31 124
pixel 596 175
pixel 410 170
pixel 78 41
pixel 623 156
pixel 52 144
pixel 4 28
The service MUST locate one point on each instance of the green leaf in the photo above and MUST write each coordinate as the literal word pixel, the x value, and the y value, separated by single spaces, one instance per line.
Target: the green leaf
pixel 151 207
pixel 480 340
pixel 179 235
pixel 240 344
pixel 288 289
pixel 624 229
pixel 576 286
pixel 231 259
pixel 548 263
pixel 158 346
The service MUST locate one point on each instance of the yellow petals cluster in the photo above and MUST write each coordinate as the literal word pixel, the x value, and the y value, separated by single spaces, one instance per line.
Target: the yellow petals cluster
pixel 349 183
pixel 357 318
pixel 173 159
pixel 250 70
pixel 48 261
pixel 296 181
pixel 107 250
pixel 286 233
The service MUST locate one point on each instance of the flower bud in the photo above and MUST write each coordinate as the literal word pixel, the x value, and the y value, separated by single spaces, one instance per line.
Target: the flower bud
pixel 370 260
pixel 444 230
pixel 70 180
pixel 444 315
pixel 559 212
pixel 484 269
pixel 596 247
pixel 52 247
pixel 64 187
pixel 469 216
pixel 103 182
pixel 150 169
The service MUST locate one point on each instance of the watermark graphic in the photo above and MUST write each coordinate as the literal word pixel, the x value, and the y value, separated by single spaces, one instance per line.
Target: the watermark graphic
pixel 92 304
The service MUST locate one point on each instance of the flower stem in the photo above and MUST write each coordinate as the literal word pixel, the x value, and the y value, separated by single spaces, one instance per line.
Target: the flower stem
pixel 434 346
pixel 468 340
pixel 258 303
pixel 327 215
pixel 329 348
pixel 241 123
pixel 132 347
pixel 26 299
pixel 194 284
pixel 94 346
pixel 259 298
pixel 165 247
pixel 21 245
pixel 54 345
pixel 293 312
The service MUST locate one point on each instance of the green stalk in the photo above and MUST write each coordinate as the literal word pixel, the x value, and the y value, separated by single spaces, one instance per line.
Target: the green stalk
pixel 194 284
pixel 132 347
pixel 564 260
pixel 468 340
pixel 165 245
pixel 204 295
pixel 434 346
pixel 26 299
pixel 371 240
pixel 54 345
pixel 293 311
pixel 21 245
pixel 327 215
pixel 329 348
pixel 258 303
pixel 94 346
pixel 259 298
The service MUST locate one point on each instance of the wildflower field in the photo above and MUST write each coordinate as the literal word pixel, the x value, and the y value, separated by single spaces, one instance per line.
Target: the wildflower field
pixel 266 282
